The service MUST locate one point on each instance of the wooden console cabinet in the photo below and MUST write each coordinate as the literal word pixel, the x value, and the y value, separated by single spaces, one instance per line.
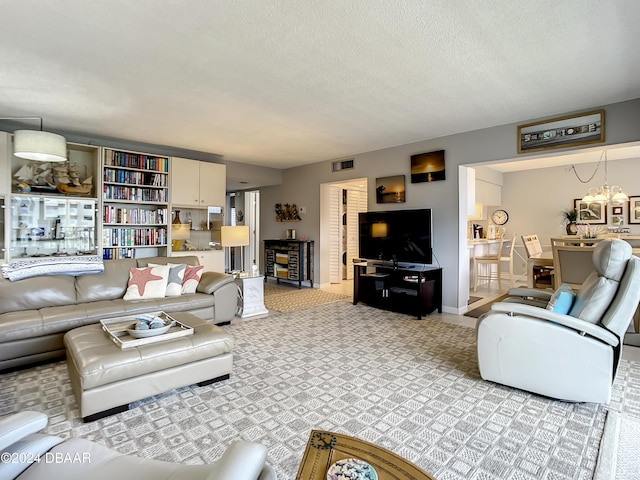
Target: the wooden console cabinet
pixel 289 260
pixel 414 290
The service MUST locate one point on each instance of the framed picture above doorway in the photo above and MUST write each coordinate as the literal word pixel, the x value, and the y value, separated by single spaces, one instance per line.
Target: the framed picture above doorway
pixel 567 131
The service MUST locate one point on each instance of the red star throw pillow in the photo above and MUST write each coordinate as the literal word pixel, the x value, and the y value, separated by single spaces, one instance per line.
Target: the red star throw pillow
pixel 191 278
pixel 148 282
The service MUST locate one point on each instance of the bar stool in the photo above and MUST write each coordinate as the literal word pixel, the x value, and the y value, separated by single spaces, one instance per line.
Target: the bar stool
pixel 503 254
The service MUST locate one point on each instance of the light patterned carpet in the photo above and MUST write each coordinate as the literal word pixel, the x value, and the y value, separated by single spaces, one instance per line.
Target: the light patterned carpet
pixel 410 386
pixel 286 298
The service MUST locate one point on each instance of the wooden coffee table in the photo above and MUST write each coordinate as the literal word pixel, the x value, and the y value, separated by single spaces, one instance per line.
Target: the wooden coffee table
pixel 324 448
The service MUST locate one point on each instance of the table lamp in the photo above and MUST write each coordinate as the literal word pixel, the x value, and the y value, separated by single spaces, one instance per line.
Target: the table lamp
pixel 379 230
pixel 235 236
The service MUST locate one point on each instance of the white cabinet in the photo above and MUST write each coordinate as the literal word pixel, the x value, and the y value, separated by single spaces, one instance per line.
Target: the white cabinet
pixel 196 188
pixel 184 182
pixel 213 260
pixel 197 184
pixel 488 193
pixel 213 184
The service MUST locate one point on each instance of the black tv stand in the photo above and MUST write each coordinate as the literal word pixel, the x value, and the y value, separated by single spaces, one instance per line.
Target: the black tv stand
pixel 416 290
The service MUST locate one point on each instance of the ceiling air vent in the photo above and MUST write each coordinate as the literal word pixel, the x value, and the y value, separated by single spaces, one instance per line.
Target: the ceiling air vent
pixel 342 165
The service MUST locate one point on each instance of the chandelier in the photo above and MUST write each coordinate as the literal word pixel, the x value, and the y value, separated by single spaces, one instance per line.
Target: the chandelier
pixel 605 193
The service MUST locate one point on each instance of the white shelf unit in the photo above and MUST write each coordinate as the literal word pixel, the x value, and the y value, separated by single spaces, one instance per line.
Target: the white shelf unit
pixel 56 224
pixel 135 204
pixel 45 226
pixel 198 191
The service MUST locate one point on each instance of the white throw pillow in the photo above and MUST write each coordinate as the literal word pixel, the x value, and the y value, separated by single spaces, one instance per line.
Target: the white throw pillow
pixel 192 278
pixel 175 280
pixel 147 282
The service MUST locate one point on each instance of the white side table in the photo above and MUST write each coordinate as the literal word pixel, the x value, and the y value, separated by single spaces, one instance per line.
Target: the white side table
pixel 251 303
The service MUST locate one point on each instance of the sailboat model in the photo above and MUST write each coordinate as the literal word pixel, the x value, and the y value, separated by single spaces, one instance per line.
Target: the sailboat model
pixel 34 177
pixel 67 180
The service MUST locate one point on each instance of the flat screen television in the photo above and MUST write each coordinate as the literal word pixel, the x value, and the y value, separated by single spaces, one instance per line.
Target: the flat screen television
pixel 396 235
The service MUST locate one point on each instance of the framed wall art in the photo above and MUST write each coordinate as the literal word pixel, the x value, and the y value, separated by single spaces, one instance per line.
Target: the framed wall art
pixel 427 167
pixel 618 216
pixel 390 189
pixel 634 210
pixel 561 132
pixel 591 213
pixel 287 212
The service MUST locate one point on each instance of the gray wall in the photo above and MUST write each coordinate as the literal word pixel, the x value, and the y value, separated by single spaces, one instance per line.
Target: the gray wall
pixel 301 185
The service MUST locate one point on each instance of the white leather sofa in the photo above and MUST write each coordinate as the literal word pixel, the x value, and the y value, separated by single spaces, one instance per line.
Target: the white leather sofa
pixel 29 455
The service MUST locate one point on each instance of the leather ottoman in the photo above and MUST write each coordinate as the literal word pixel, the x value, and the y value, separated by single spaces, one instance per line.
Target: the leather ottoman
pixel 106 378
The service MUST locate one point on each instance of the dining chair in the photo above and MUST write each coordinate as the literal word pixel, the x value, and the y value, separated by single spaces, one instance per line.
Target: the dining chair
pixel 531 244
pixel 504 254
pixel 572 264
pixel 542 274
pixel 576 241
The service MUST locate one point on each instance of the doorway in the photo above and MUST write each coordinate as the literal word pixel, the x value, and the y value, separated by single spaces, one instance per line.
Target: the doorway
pixel 340 204
pixel 244 209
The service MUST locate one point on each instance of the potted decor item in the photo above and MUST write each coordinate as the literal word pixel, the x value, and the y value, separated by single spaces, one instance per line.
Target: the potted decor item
pixel 570 217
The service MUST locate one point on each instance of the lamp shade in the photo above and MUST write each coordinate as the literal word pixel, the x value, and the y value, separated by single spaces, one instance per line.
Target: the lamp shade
pixel 236 236
pixel 379 230
pixel 40 146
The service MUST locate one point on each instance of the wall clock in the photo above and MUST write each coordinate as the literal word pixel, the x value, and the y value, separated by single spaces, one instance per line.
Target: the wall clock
pixel 500 217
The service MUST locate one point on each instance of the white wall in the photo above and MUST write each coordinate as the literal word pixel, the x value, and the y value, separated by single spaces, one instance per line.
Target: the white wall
pixel 535 199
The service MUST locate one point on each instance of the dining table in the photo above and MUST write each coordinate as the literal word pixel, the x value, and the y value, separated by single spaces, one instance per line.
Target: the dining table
pixel 545 259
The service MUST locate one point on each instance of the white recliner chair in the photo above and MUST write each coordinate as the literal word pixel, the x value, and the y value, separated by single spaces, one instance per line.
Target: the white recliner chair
pixel 570 356
pixel 29 455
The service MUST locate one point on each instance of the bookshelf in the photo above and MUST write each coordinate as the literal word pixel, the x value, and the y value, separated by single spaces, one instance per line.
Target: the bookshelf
pixel 135 204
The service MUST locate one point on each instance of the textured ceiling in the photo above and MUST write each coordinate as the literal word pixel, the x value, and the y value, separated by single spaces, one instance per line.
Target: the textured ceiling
pixel 286 82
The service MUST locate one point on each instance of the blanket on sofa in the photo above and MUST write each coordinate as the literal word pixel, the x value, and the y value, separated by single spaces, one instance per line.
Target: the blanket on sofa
pixel 31 267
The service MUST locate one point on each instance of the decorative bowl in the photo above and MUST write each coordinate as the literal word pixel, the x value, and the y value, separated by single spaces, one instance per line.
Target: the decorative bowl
pixel 152 332
pixel 351 469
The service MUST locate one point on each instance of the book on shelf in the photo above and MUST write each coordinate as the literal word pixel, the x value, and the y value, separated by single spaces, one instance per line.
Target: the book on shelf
pixel 115 158
pixel 135 194
pixel 135 215
pixel 118 253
